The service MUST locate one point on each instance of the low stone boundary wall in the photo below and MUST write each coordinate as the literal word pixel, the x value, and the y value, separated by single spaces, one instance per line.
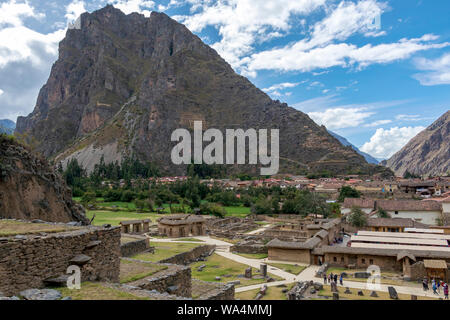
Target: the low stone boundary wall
pixel 27 260
pixel 249 248
pixel 221 291
pixel 134 247
pixel 176 280
pixel 194 255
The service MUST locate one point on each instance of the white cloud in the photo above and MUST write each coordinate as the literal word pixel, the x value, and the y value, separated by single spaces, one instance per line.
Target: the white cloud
pixel 386 142
pixel 1 92
pixel 339 118
pixel 377 123
pixel 408 117
pixel 438 71
pixel 74 10
pixel 325 46
pixel 294 58
pixel 281 86
pixel 242 23
pixel 130 6
pixel 12 13
pixel 319 103
pixel 18 42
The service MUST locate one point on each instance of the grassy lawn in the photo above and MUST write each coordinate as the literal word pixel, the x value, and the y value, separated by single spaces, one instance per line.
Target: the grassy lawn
pixel 133 270
pixel 228 270
pixel 237 211
pixel 114 218
pixel 97 291
pixel 257 256
pixel 11 228
pixel 351 272
pixel 164 250
pixel 354 295
pixel 190 239
pixel 272 293
pixel 288 267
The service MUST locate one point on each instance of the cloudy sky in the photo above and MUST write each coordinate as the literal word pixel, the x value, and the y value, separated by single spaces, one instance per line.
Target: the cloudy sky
pixel 376 72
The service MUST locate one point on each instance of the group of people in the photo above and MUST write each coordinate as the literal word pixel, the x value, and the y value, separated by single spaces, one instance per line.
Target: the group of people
pixel 436 285
pixel 333 278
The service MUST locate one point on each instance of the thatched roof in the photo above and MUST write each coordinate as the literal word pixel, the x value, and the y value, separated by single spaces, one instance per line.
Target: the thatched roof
pixel 180 219
pixel 394 222
pixel 435 264
pixel 402 254
pixel 309 244
pixel 360 203
pixel 408 205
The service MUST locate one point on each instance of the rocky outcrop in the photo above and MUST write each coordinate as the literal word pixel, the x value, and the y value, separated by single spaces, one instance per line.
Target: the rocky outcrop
pixel 124 83
pixel 30 189
pixel 426 154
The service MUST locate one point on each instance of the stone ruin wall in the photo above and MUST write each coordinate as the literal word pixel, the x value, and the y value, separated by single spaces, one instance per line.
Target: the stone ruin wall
pixel 176 280
pixel 193 255
pixel 134 247
pixel 26 262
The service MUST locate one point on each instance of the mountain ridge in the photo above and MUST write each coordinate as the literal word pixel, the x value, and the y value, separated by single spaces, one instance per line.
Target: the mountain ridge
pixel 345 142
pixel 428 153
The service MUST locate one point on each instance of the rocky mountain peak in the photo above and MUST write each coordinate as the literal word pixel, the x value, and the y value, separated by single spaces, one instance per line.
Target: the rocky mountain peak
pixel 124 83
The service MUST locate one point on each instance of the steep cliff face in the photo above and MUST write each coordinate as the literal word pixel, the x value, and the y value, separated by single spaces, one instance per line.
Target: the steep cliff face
pixel 426 154
pixel 30 189
pixel 124 83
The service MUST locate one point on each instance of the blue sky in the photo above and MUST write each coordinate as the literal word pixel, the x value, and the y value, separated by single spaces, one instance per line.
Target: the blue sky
pixel 375 72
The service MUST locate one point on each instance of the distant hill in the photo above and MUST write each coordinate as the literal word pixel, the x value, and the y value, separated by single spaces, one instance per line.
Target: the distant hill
pixel 428 153
pixel 7 126
pixel 346 143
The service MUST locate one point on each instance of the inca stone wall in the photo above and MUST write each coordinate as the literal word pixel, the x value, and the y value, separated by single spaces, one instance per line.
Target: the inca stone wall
pixel 132 248
pixel 176 280
pixel 188 257
pixel 26 261
pixel 220 292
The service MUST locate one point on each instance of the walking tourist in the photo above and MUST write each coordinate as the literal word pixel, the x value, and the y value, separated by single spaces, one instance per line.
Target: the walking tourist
pixel 446 291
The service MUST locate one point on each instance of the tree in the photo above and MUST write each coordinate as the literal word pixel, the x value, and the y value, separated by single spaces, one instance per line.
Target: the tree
pixel 262 206
pixel 289 206
pixel 348 192
pixel 357 218
pixel 88 198
pixel 381 213
pixel 335 208
pixel 212 210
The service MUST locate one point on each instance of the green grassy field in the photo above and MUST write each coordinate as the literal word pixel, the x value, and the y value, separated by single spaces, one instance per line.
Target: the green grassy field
pixel 288 267
pixel 133 270
pixel 130 207
pixel 164 250
pixel 228 270
pixel 115 217
pixel 257 256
